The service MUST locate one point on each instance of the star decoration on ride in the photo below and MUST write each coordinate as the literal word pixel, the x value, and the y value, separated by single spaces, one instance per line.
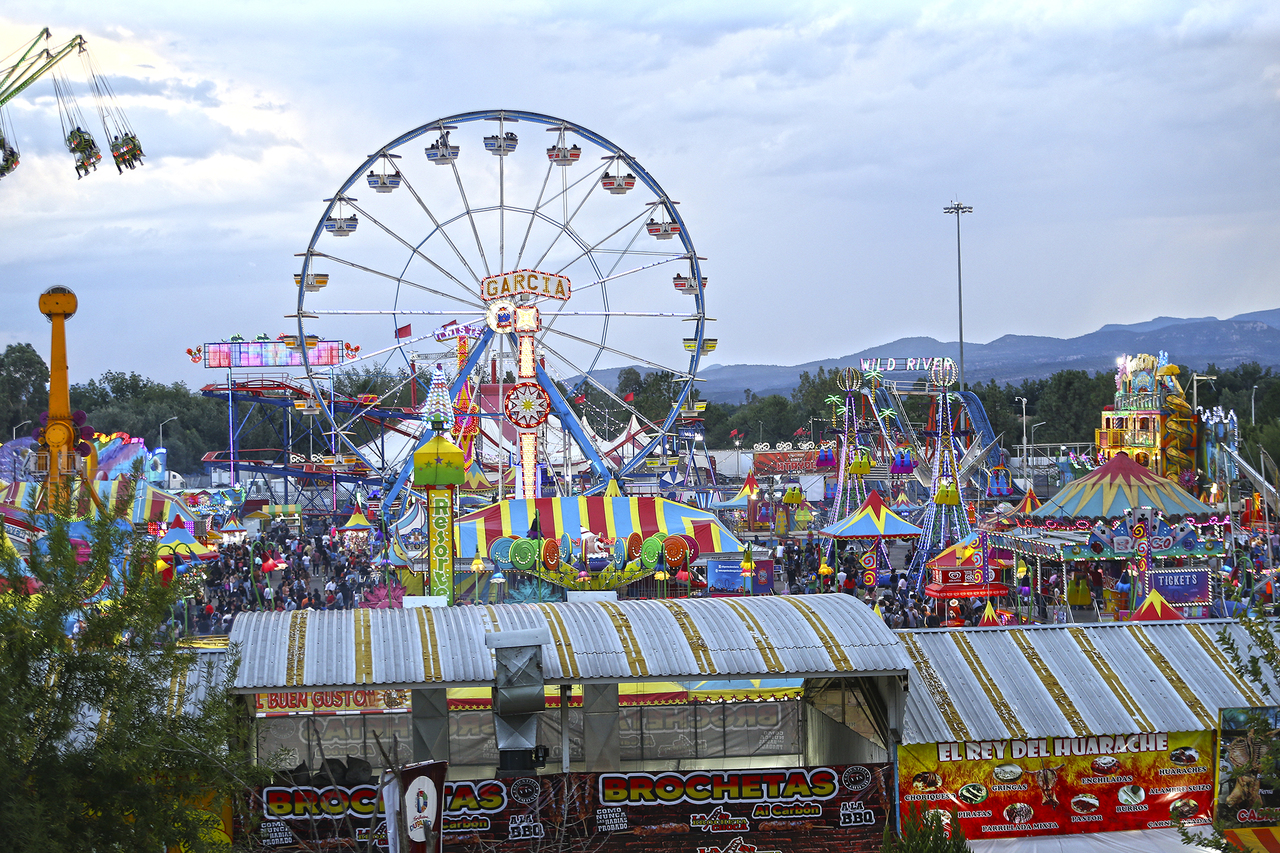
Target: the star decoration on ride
pixel 527 405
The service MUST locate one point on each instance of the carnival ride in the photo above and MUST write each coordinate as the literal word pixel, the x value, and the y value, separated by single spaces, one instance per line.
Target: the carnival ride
pixel 34 61
pixel 501 246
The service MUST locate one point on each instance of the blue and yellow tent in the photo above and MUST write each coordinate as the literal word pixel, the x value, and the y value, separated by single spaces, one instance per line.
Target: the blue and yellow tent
pixel 872 520
pixel 607 517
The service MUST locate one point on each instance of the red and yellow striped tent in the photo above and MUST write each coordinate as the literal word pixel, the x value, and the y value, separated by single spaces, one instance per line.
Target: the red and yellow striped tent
pixel 607 517
pixel 149 503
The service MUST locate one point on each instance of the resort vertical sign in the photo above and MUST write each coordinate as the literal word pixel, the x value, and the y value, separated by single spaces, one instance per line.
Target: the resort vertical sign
pixel 440 542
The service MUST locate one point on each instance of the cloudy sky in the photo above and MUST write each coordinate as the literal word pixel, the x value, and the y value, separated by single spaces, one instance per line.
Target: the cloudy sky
pixel 1122 159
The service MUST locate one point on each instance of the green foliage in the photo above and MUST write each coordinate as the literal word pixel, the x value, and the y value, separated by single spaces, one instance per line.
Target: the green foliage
pixel 24 387
pixel 133 404
pixel 924 832
pixel 95 753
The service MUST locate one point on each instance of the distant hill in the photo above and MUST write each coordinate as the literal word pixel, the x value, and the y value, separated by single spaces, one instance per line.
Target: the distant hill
pixel 1012 358
pixel 1195 342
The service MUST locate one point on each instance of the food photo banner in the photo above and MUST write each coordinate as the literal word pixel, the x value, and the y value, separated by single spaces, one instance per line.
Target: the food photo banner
pixel 829 809
pixel 1055 786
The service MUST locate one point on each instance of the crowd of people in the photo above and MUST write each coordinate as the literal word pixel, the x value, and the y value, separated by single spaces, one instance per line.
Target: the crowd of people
pixel 277 570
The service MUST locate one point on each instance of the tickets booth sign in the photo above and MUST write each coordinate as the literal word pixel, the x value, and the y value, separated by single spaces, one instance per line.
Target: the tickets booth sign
pixel 1055 786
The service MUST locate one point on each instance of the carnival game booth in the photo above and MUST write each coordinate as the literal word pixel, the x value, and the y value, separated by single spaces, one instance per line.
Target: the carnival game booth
pixel 1069 738
pixel 1118 514
pixel 767 764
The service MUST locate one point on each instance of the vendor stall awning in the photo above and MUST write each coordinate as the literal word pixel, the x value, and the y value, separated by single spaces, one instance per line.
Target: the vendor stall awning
pixel 607 517
pixel 965 590
pixel 1072 681
pixel 706 639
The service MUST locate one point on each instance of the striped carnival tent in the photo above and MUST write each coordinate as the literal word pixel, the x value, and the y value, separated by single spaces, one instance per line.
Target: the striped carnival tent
pixel 1121 484
pixel 607 517
pixel 149 502
pixel 872 520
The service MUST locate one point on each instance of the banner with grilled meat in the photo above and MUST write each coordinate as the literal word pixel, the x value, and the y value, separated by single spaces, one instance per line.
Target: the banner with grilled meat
pixel 1055 786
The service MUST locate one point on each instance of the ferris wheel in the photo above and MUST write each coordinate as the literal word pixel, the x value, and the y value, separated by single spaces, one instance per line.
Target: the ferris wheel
pixel 549 248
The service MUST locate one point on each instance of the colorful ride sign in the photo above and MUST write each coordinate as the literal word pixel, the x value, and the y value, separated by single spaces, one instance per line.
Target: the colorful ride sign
pixel 508 285
pixel 440 542
pixel 1055 786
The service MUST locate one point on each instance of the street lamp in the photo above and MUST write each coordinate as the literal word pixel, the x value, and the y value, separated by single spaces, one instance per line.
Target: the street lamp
pixel 162 423
pixel 1033 432
pixel 956 208
pixel 1023 400
pixel 14 473
pixel 737 443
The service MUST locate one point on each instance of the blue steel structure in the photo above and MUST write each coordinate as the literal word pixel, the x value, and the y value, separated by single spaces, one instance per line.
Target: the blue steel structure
pixel 598 259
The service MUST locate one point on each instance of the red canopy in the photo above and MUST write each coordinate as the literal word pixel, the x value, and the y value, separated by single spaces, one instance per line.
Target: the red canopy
pixel 965 590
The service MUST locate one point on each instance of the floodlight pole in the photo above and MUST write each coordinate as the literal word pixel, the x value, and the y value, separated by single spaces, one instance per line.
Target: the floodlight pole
pixel 956 208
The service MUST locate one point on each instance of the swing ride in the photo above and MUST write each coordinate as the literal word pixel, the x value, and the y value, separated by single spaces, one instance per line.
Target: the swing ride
pixel 34 62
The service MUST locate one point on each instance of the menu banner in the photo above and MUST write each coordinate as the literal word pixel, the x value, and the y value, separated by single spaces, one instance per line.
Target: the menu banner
pixel 1055 786
pixel 829 809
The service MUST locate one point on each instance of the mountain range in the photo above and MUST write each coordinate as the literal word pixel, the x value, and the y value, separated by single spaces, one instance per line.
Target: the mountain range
pixel 1195 342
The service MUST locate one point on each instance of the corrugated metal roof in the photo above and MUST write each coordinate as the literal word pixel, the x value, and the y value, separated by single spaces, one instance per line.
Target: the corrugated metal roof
pixel 1070 681
pixel 695 638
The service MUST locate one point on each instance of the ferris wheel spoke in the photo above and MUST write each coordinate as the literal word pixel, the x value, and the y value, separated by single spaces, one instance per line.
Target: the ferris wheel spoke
pixel 402 280
pixel 678 374
pixel 533 214
pixel 393 312
pixel 598 384
pixel 466 205
pixel 357 417
pixel 595 247
pixel 385 350
pixel 566 218
pixel 615 276
pixel 414 249
pixel 439 229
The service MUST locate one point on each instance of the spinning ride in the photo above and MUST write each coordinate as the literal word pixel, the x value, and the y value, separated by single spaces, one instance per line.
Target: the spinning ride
pixel 567 260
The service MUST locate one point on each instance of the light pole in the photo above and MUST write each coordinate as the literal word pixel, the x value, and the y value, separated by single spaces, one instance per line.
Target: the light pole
pixel 162 423
pixel 1033 432
pixel 1253 413
pixel 956 208
pixel 14 473
pixel 737 444
pixel 1195 389
pixel 1023 400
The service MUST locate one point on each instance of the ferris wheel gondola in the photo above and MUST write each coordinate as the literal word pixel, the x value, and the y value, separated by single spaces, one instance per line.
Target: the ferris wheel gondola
pixel 545 261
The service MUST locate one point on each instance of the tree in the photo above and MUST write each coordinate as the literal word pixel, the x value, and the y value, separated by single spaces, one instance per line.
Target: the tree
pixel 24 387
pixel 92 755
